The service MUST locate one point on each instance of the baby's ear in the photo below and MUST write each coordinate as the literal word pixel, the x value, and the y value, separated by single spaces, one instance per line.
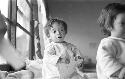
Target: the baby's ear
pixel 48 35
pixel 46 32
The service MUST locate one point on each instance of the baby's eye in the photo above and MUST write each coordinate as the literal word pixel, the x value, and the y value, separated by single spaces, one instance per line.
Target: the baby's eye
pixel 54 31
pixel 123 23
pixel 62 30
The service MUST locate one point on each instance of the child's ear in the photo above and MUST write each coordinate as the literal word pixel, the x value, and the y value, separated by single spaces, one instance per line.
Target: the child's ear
pixel 48 35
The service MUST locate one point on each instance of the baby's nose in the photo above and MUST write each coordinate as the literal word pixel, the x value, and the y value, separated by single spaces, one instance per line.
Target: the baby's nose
pixel 58 32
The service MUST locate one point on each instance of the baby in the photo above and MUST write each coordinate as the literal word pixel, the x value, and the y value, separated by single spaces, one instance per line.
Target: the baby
pixel 61 59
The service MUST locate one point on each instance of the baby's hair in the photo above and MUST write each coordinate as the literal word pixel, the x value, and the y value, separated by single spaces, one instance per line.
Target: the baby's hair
pixel 108 16
pixel 51 21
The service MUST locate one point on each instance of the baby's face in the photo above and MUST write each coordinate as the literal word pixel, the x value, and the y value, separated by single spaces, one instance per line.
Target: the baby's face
pixel 119 25
pixel 57 33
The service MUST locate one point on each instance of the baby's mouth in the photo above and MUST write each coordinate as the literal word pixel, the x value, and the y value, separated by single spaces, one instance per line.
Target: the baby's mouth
pixel 59 37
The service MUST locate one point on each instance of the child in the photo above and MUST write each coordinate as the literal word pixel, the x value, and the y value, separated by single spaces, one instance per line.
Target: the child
pixel 61 58
pixel 111 51
pixel 10 57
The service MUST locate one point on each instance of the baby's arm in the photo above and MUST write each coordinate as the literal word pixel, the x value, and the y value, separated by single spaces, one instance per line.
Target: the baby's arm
pixel 122 73
pixel 50 55
pixel 78 58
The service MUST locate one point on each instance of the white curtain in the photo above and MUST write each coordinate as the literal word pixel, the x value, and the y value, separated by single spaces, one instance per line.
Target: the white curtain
pixel 42 22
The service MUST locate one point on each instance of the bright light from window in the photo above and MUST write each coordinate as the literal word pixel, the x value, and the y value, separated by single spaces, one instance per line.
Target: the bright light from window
pixel 4 11
pixel 43 12
pixel 4 7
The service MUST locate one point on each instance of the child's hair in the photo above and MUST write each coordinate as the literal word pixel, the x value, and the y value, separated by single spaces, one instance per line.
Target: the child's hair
pixel 51 22
pixel 108 16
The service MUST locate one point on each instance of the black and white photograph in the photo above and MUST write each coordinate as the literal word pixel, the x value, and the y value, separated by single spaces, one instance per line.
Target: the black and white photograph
pixel 62 39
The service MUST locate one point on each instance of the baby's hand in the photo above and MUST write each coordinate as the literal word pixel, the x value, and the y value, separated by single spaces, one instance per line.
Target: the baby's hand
pixel 122 73
pixel 79 59
pixel 51 51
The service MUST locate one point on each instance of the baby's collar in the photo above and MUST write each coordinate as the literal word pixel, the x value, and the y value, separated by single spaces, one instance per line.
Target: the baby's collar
pixel 117 38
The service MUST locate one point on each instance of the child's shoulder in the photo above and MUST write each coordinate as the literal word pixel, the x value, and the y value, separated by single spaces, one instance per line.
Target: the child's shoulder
pixel 109 41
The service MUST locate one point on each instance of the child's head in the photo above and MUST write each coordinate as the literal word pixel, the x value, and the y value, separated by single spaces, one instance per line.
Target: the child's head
pixel 112 18
pixel 3 27
pixel 56 30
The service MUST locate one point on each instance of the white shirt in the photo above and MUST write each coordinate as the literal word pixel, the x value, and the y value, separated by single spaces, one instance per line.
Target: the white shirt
pixel 110 57
pixel 55 69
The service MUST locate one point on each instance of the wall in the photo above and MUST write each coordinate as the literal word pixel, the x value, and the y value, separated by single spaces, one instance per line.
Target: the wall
pixel 81 17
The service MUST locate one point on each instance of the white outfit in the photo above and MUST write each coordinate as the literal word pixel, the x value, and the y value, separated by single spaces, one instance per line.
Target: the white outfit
pixel 59 61
pixel 110 57
pixel 9 55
